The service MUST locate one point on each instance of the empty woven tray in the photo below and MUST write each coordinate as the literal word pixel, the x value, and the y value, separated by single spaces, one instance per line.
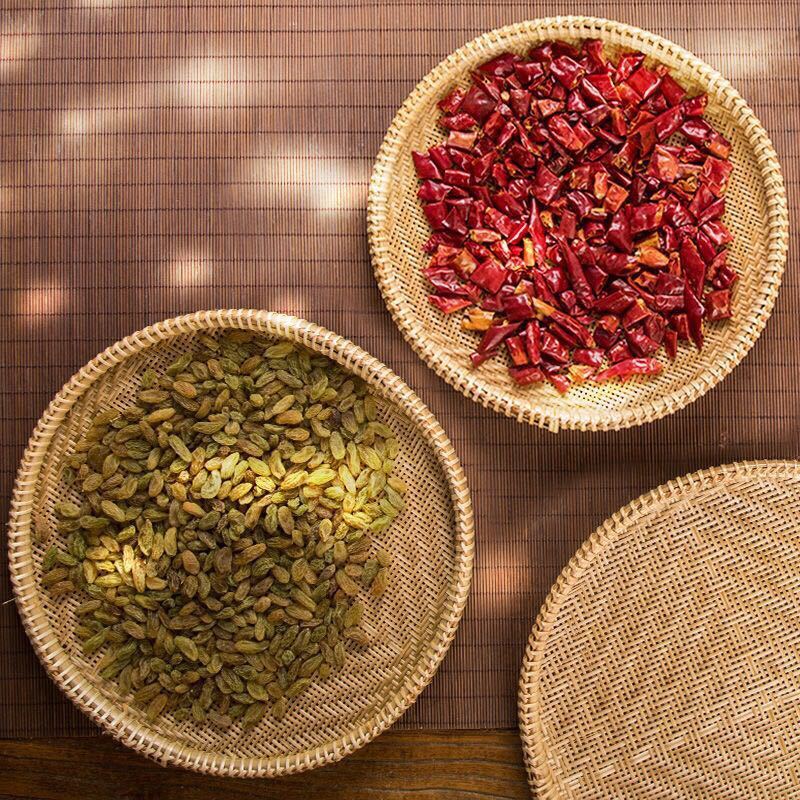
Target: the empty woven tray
pixel 666 661
pixel 756 213
pixel 431 543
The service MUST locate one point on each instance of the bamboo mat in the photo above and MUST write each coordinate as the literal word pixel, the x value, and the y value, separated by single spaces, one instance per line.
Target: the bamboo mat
pixel 162 157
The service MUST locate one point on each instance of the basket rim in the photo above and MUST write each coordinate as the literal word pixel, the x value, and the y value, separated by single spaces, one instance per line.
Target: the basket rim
pixel 113 717
pixel 529 701
pixel 484 391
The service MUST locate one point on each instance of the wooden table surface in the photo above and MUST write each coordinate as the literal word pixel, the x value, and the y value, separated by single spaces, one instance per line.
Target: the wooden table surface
pixel 401 765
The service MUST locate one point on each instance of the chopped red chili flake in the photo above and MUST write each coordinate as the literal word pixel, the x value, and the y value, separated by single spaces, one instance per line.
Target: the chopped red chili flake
pixel 576 205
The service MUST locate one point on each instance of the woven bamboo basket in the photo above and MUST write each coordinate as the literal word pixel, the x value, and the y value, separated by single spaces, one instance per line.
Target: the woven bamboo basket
pixel 756 213
pixel 664 663
pixel 415 620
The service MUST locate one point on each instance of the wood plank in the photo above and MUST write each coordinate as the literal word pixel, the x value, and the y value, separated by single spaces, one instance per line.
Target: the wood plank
pixel 400 765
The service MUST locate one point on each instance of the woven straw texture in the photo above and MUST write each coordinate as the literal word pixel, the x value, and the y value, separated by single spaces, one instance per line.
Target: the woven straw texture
pixel 159 158
pixel 664 662
pixel 756 214
pixel 415 621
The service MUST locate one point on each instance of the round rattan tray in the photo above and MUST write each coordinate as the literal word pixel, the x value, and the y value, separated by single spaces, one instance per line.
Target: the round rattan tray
pixel 756 213
pixel 414 622
pixel 664 663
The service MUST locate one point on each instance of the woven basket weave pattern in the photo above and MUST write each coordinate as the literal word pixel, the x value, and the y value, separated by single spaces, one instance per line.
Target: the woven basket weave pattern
pixel 756 213
pixel 664 662
pixel 431 543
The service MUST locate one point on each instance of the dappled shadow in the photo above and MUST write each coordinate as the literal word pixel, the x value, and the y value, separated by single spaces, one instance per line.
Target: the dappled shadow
pixel 158 158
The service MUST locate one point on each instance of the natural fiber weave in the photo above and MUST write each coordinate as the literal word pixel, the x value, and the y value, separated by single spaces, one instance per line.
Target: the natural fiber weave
pixel 415 621
pixel 756 214
pixel 664 663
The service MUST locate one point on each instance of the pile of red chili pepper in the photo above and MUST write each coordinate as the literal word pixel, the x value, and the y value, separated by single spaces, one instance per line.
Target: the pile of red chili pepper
pixel 576 209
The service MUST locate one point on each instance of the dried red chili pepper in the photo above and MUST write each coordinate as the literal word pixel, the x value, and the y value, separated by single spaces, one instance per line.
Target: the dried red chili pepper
pixel 664 303
pixel 616 302
pixel 489 275
pixel 664 164
pixel 715 174
pixel 645 217
pixel 671 343
pixel 592 357
pixel 554 349
pixel 700 133
pixel 561 382
pixel 641 343
pixel 516 351
pixel 518 307
pixel 680 324
pixel 673 92
pixel 694 269
pixel 451 103
pixel 533 342
pixel 635 314
pixel 565 226
pixel 666 123
pixel 524 376
pixel 448 305
pixel 718 304
pixel 724 278
pixel 445 280
pixel 618 352
pixel 655 326
pixel 477 104
pixel 494 336
pixel 695 313
pixel 695 106
pixel 629 367
pixel 576 275
pixel 572 325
